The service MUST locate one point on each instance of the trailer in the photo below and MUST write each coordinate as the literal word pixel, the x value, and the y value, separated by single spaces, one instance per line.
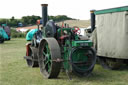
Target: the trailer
pixel 110 36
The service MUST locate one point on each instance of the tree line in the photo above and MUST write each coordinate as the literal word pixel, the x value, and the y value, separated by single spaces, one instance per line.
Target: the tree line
pixel 31 20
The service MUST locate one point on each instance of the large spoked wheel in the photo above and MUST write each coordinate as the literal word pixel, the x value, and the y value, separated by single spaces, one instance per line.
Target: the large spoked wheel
pixel 109 63
pixel 49 56
pixel 83 60
pixel 31 62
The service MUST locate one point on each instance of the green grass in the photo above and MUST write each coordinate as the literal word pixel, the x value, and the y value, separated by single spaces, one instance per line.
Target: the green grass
pixel 14 71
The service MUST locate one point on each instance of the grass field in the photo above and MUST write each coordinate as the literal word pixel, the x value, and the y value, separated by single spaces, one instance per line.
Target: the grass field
pixel 14 71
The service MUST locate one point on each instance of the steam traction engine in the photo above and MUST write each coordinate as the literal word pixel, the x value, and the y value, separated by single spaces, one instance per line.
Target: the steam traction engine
pixel 54 48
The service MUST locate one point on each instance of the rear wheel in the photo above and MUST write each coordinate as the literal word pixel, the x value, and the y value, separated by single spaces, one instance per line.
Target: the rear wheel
pixel 49 53
pixel 109 63
pixel 31 62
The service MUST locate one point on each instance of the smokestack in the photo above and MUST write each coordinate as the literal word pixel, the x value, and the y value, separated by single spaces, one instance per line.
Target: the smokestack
pixel 44 14
pixel 92 19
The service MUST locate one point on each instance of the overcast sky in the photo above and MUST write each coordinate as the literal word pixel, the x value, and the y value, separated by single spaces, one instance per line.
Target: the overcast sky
pixel 78 9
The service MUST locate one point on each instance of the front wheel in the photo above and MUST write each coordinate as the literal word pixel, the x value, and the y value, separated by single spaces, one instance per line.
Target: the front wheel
pixel 83 60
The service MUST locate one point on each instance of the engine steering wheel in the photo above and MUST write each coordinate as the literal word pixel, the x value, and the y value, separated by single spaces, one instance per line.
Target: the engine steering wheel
pixel 76 30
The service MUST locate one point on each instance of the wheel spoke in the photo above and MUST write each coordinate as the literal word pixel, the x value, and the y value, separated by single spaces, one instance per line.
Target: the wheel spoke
pixel 44 53
pixel 48 60
pixel 47 48
pixel 49 67
pixel 47 64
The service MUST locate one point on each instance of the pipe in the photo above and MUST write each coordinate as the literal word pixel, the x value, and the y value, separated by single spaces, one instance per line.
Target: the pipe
pixel 92 20
pixel 44 14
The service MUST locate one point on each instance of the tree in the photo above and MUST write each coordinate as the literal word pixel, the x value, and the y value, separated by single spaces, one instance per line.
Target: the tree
pixel 59 18
pixel 13 18
pixel 31 20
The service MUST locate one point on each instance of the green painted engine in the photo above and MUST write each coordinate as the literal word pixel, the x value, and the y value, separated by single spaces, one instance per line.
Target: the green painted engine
pixel 54 48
